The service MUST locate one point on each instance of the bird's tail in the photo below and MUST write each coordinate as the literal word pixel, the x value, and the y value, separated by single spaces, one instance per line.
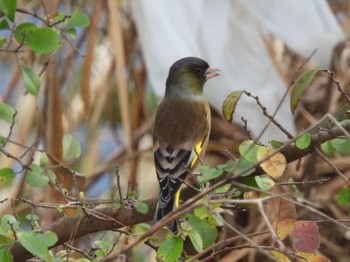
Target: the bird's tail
pixel 163 209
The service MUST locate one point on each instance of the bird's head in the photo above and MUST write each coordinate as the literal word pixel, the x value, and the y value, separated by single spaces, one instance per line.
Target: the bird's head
pixel 188 75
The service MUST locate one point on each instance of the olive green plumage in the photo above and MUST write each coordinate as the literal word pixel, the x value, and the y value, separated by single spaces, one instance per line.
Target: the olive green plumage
pixel 181 130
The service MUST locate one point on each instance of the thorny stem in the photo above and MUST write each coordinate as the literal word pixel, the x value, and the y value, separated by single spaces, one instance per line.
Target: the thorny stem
pixel 337 83
pixel 270 117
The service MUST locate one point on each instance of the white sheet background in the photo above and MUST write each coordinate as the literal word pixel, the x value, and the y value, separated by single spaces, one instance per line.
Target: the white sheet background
pixel 227 34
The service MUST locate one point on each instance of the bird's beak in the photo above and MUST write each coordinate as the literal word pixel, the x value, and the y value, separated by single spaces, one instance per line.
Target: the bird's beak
pixel 211 72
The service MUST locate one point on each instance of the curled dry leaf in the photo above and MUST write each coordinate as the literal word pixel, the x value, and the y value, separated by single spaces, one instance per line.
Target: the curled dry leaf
pixel 301 84
pixel 282 213
pixel 229 105
pixel 284 227
pixel 275 165
pixel 251 195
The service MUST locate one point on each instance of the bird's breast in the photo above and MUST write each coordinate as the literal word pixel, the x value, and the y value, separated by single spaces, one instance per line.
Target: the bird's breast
pixel 180 120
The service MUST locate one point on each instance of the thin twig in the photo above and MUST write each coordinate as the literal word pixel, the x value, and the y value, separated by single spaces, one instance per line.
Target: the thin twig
pixel 270 117
pixel 9 155
pixel 337 83
pixel 118 185
pixel 318 181
pixel 245 127
pixel 78 250
pixel 71 44
pixel 24 11
pixel 319 153
pixel 11 128
pixel 223 243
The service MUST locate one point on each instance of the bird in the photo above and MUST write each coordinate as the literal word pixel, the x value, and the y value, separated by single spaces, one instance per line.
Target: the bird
pixel 181 130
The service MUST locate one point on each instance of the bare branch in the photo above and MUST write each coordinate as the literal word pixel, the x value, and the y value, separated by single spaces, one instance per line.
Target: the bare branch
pixel 103 219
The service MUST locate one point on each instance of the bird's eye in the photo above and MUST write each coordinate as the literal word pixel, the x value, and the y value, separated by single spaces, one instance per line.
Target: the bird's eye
pixel 198 70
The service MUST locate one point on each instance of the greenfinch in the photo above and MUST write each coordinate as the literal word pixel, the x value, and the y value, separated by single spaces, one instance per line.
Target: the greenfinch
pixel 181 130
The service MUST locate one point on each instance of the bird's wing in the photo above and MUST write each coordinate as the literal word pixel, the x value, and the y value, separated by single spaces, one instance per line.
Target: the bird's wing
pixel 178 146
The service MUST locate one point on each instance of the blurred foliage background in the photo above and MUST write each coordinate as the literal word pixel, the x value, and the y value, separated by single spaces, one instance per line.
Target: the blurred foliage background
pixel 94 86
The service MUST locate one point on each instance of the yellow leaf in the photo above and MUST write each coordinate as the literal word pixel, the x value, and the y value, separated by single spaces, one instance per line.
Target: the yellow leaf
pixel 284 227
pixel 281 212
pixel 311 257
pixel 279 256
pixel 275 165
pixel 251 195
pixel 229 105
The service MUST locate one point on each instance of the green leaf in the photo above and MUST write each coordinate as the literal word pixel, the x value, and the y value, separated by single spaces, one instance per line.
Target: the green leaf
pixel 2 140
pixel 4 25
pixel 248 150
pixel 50 238
pixel 344 196
pixel 6 238
pixel 230 103
pixel 250 182
pixel 33 244
pixel 32 217
pixel 23 30
pixel 8 7
pixel 303 142
pixel 223 189
pixel 240 167
pixel 299 87
pixel 132 195
pixel 6 175
pixel 196 240
pixel 243 168
pixel 141 207
pixel 43 40
pixel 71 148
pixel 228 166
pixel 51 175
pixel 328 148
pixel 104 245
pixel 72 33
pixel 208 174
pixel 36 177
pixel 100 253
pixel 140 228
pixel 294 188
pixel 5 255
pixel 215 219
pixel 7 112
pixel 31 80
pixel 201 212
pixel 60 208
pixel 276 143
pixel 9 222
pixel 342 145
pixel 170 250
pixel 44 159
pixel 53 258
pixel 78 19
pixel 83 260
pixel 264 183
pixel 2 40
pixel 207 233
pixel 60 16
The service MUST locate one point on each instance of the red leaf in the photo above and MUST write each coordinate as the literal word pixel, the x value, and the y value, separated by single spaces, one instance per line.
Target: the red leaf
pixel 306 237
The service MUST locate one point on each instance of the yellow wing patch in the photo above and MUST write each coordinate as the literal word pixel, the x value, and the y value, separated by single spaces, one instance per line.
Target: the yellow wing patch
pixel 197 151
pixel 177 197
